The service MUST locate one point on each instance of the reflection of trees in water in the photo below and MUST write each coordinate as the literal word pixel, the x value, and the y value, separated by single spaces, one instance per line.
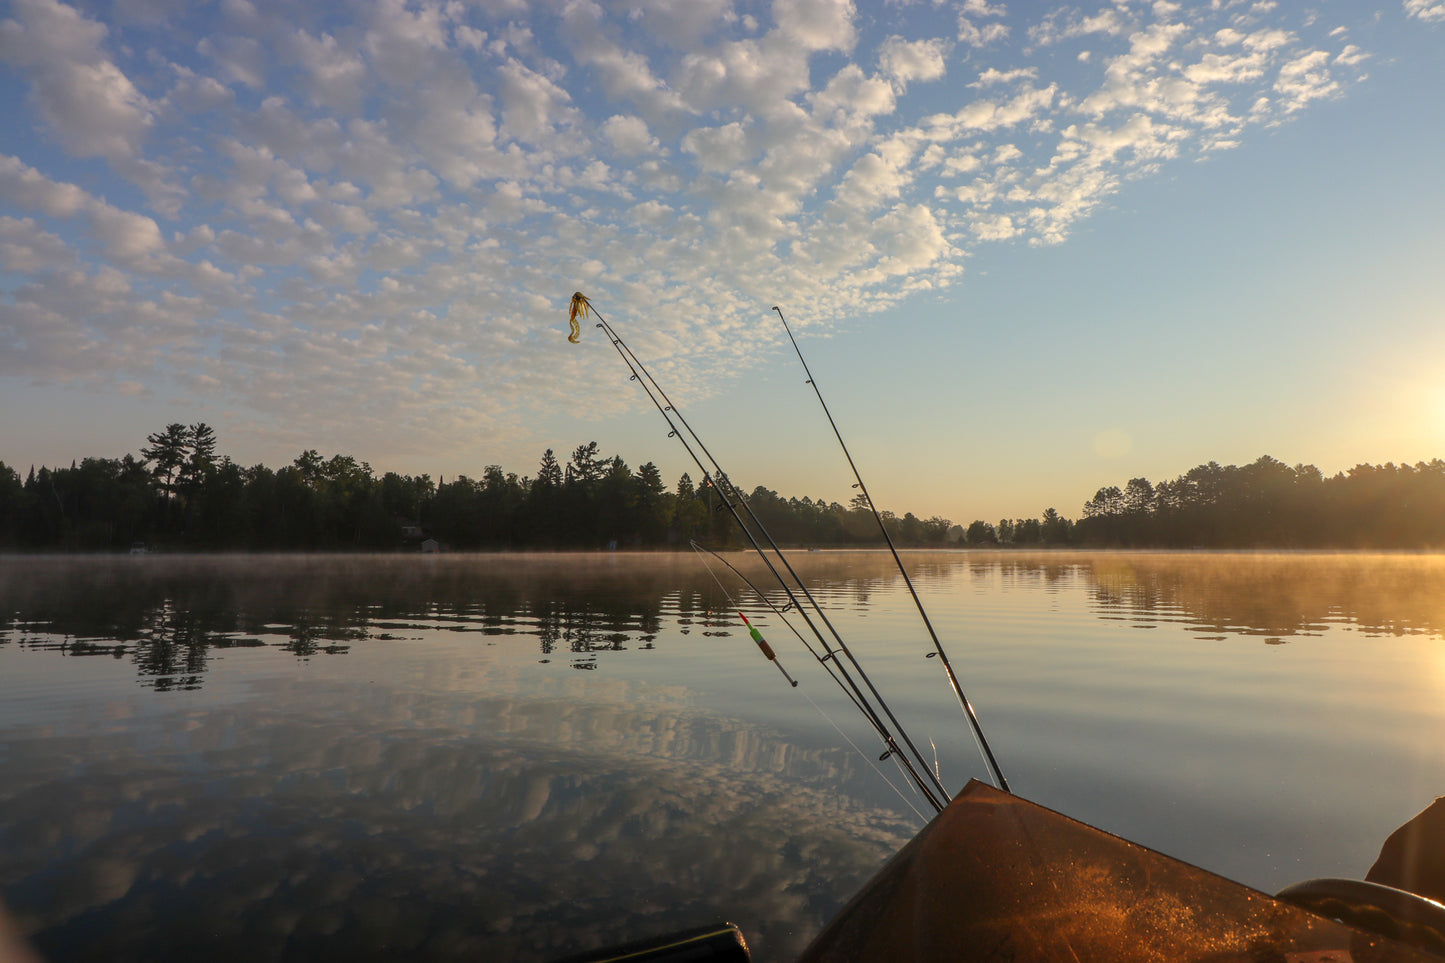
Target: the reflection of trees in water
pixel 310 636
pixel 169 647
pixel 170 613
pixel 583 627
pixel 174 653
pixel 1265 594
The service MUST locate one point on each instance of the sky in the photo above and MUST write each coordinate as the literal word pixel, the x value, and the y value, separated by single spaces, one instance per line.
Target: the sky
pixel 1028 250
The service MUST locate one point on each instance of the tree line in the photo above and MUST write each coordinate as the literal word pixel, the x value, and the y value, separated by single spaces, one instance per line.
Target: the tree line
pixel 181 495
pixel 1270 504
pixel 1265 504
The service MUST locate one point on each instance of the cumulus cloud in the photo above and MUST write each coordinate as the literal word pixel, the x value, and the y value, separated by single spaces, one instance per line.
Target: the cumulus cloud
pixel 337 75
pixel 816 24
pixel 907 60
pixel 1430 11
pixel 77 91
pixel 124 236
pixel 629 135
pixel 27 248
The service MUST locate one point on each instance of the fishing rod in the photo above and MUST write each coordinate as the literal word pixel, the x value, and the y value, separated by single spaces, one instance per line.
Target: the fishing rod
pixel 932 787
pixel 732 498
pixel 699 548
pixel 822 660
pixel 753 630
pixel 973 722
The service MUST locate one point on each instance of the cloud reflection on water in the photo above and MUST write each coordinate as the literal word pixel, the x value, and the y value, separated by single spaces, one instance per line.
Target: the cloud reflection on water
pixel 342 821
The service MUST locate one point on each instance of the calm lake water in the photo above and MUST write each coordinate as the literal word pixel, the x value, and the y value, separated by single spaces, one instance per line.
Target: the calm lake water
pixel 523 756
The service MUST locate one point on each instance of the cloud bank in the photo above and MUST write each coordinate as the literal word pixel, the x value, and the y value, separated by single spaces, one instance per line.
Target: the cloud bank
pixel 364 222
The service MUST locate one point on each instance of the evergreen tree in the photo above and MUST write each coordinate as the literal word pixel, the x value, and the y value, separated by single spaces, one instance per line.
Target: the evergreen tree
pixel 168 451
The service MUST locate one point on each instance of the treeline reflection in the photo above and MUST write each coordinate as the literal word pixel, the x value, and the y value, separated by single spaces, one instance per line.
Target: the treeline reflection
pixel 171 615
pixel 1276 595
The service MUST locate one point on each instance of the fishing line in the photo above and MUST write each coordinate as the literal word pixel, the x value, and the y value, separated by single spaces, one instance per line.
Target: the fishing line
pixel 936 794
pixel 699 549
pixel 822 660
pixel 730 495
pixel 762 643
pixel 869 759
pixel 968 711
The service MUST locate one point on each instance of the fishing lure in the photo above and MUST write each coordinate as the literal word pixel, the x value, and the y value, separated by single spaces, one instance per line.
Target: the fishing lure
pixel 580 305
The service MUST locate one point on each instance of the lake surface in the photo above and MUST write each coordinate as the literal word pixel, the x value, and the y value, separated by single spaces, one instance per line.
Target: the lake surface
pixel 522 756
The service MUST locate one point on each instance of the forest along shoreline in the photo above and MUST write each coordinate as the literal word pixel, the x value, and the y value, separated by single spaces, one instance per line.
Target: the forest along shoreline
pixel 181 495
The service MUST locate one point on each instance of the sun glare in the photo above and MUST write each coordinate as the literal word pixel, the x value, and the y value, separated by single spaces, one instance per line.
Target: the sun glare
pixel 1113 443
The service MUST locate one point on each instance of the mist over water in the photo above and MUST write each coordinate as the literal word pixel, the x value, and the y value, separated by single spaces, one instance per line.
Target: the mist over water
pixel 520 756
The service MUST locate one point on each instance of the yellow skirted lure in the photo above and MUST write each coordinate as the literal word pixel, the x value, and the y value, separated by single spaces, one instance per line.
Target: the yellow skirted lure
pixel 580 305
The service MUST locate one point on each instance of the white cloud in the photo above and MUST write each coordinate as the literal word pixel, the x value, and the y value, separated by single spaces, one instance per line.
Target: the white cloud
pixel 874 179
pixel 682 23
pixel 989 115
pixel 910 240
pixel 741 73
pixel 77 90
pixel 24 186
pixel 816 24
pixel 393 205
pixel 909 60
pixel 975 34
pixel 719 149
pixel 1066 24
pixel 852 95
pixel 629 135
pixel 124 235
pixel 402 44
pixel 1351 56
pixel 1225 68
pixel 27 248
pixel 337 75
pixel 626 74
pixel 1430 11
pixel 127 236
pixel 992 76
pixel 533 107
pixel 1305 78
pixel 994 227
pixel 1140 135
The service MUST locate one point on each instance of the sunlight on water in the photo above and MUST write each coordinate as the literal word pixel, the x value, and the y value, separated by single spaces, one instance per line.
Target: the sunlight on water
pixel 523 756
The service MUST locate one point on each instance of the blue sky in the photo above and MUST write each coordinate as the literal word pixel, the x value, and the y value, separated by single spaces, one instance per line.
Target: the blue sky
pixel 1029 250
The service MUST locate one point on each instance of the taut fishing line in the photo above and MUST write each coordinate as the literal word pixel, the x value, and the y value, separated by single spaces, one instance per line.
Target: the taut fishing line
pixel 699 549
pixel 974 725
pixel 762 643
pixel 871 701
pixel 780 612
